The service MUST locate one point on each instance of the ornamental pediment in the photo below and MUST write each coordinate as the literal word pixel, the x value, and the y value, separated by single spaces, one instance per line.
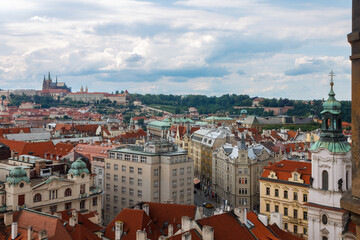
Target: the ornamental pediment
pixel 54 183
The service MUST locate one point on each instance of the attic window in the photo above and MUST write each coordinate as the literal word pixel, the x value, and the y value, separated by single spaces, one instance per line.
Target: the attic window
pixel 296 177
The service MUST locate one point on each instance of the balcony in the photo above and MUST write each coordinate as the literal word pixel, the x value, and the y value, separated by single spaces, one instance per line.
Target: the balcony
pixel 83 195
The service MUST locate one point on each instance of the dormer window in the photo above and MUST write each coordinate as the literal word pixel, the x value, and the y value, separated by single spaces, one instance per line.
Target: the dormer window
pixel 296 177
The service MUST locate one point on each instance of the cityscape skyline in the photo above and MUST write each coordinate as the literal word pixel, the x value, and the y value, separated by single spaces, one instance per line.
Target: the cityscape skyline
pixel 260 48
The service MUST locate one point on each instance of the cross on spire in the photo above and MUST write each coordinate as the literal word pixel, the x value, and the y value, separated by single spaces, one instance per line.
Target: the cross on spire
pixel 332 74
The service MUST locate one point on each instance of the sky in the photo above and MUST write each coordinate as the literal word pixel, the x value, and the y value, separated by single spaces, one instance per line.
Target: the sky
pixel 265 48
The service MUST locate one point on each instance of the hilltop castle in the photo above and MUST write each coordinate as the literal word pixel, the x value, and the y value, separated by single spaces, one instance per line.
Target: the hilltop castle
pixel 48 84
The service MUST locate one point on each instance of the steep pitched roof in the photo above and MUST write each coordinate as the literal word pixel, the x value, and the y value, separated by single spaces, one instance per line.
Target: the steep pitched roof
pixel 283 234
pixel 259 229
pixel 25 148
pixel 226 227
pixel 133 219
pixel 170 213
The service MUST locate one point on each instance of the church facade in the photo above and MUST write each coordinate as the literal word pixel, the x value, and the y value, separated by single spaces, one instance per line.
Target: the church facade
pixel 330 175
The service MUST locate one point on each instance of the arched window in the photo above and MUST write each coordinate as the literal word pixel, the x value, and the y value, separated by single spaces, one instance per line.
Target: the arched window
pixel 68 192
pixel 347 180
pixel 325 180
pixel 37 197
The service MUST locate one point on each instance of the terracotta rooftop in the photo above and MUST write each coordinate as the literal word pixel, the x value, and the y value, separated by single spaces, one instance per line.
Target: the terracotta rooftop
pixel 28 148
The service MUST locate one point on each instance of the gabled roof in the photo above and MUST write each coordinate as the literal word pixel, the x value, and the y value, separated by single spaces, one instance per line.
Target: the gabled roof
pixel 259 229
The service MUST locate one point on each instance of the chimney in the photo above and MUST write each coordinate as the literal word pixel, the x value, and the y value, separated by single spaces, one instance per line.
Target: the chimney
pixel 263 218
pixel 186 236
pixel 145 207
pixel 141 235
pixel 14 230
pixel 119 229
pixel 73 219
pixel 170 230
pixel 276 218
pixel 207 233
pixel 29 232
pixel 185 223
pixel 43 235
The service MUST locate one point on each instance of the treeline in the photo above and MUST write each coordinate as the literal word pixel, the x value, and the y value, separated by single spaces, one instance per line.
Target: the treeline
pixel 226 103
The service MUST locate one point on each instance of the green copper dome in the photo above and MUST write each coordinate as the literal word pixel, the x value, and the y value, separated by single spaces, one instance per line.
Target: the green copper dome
pixel 331 137
pixel 16 175
pixel 78 167
pixel 331 105
pixel 243 111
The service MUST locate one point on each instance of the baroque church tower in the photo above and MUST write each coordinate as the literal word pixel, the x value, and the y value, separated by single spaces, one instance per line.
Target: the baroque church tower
pixel 330 174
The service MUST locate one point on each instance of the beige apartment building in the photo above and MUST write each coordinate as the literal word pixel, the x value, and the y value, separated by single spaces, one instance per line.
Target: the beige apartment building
pixel 203 143
pixel 153 172
pixel 236 172
pixel 52 194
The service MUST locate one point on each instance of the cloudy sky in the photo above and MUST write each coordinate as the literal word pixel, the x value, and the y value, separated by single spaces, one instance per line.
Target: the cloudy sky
pixel 268 48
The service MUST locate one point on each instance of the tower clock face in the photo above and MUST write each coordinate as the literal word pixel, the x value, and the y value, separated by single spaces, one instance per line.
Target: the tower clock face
pixel 324 219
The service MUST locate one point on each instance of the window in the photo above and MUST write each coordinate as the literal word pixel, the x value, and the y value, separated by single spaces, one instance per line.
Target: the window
pixel 139 182
pixel 135 158
pixel 116 167
pixel 174 194
pixel 143 159
pixel 107 186
pixel 295 196
pixel 324 238
pixel 140 171
pixel 245 180
pixel 116 177
pixel 68 192
pixel 131 192
pixel 115 188
pixel 107 165
pixel 188 180
pixel 123 168
pixel 68 206
pixel 123 179
pixel 174 183
pixel 285 226
pixel 325 180
pixel 305 231
pixel 285 211
pixel 107 208
pixel 296 178
pixel 115 209
pixel 188 191
pixel 115 199
pixel 276 208
pixel 285 194
pixel 324 219
pixel 240 170
pixel 182 182
pixel 123 201
pixel 53 208
pixel 305 198
pixel 123 190
pixel 107 197
pixel 268 207
pixel 53 194
pixel 347 180
pixel 156 183
pixel 182 170
pixel 305 215
pixel 119 156
pixel 174 171
pixel 182 193
pixel 131 180
pixel 95 201
pixel 112 155
pixel 189 169
pixel 131 202
pixel 139 193
pixel 82 204
pixel 82 188
pixel 131 169
pixel 108 176
pixel 267 191
pixel 37 197
pixel 276 192
pixel 295 229
pixel 245 171
pixel 156 172
pixel 127 157
pixel 295 214
pixel 156 194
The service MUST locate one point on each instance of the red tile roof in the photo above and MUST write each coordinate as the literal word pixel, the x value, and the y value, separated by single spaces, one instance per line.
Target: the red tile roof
pixel 194 235
pixel 133 219
pixel 283 234
pixel 260 230
pixel 171 213
pixel 226 226
pixel 22 148
pixel 284 168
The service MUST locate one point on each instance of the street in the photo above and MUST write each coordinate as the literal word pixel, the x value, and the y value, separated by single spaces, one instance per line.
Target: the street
pixel 199 199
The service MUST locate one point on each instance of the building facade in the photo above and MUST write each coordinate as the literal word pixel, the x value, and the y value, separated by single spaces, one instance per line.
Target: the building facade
pixel 284 189
pixel 154 172
pixel 235 174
